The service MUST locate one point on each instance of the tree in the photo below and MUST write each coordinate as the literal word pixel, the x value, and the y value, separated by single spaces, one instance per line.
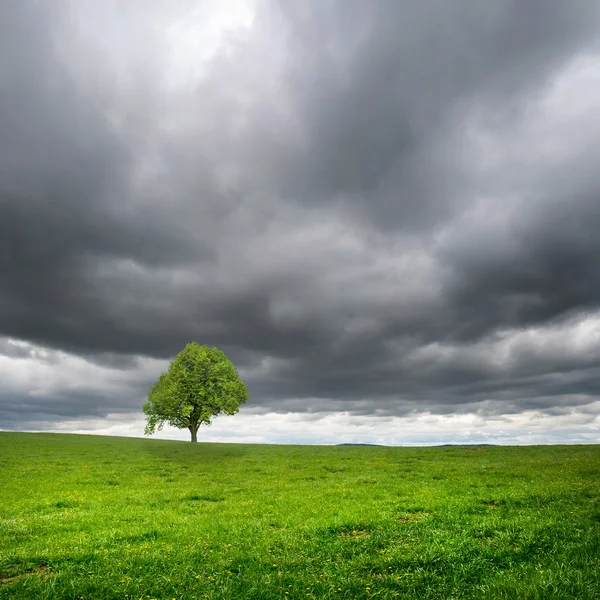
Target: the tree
pixel 201 383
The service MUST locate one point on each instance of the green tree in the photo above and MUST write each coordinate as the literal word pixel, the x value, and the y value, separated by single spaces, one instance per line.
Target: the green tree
pixel 201 383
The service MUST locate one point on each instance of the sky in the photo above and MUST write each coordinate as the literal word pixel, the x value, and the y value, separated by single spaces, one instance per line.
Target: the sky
pixel 385 212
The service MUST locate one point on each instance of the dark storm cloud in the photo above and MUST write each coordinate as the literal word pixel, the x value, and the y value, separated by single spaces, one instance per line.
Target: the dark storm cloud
pixel 312 204
pixel 66 405
pixel 64 192
pixel 376 83
pixel 17 411
pixel 541 270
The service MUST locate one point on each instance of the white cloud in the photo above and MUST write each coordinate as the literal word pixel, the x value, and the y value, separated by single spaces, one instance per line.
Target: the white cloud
pixel 41 372
pixel 579 426
pixel 197 37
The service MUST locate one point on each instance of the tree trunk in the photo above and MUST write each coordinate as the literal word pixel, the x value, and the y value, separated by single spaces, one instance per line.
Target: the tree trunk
pixel 194 432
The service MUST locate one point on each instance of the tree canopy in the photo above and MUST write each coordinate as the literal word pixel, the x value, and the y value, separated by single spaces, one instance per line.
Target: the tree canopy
pixel 201 383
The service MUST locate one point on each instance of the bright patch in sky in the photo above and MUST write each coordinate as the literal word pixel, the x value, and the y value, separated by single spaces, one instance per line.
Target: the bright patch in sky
pixel 197 37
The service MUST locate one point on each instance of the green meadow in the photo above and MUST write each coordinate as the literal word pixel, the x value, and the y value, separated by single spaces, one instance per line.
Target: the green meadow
pixel 86 517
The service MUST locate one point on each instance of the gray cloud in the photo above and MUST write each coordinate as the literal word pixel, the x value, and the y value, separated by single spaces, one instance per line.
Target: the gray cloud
pixel 361 202
pixel 376 85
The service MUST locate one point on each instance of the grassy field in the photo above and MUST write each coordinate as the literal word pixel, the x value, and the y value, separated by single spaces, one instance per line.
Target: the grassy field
pixel 98 517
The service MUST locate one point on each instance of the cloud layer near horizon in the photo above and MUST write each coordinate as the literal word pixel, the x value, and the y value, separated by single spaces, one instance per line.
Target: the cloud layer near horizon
pixel 380 208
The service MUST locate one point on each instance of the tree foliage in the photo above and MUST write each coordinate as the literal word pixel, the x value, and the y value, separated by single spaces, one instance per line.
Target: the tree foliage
pixel 201 383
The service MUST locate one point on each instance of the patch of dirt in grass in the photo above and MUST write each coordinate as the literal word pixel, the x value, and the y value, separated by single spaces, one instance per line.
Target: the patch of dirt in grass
pixel 8 578
pixel 491 504
pixel 413 517
pixel 354 533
